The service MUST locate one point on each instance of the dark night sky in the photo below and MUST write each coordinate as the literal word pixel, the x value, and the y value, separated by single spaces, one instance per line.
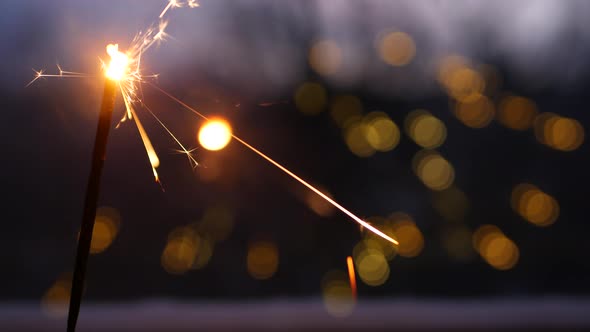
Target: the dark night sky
pixel 226 53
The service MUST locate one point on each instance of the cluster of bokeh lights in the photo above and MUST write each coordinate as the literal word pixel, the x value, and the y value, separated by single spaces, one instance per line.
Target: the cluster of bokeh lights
pixel 476 100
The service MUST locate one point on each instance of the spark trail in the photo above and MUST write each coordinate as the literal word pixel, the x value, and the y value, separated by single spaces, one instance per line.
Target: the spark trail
pixel 288 172
pixel 131 80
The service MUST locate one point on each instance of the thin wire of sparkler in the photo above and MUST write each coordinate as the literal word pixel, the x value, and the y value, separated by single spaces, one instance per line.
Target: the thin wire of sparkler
pixel 288 172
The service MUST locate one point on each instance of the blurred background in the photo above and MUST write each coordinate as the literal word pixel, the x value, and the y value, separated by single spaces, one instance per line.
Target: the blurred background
pixel 458 127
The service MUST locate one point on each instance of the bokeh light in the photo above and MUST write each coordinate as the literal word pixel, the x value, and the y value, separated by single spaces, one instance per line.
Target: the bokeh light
pixel 460 80
pixel 56 299
pixel 180 251
pixel 557 132
pixel 534 205
pixel 425 129
pixel 356 140
pixel 374 132
pixel 106 228
pixel 346 109
pixel 325 57
pixel 516 112
pixel 215 134
pixel 495 248
pixel 396 48
pixel 186 249
pixel 337 294
pixel 372 267
pixel 381 132
pixel 475 113
pixel 433 170
pixel 411 240
pixel 311 98
pixel 262 259
pixel 449 64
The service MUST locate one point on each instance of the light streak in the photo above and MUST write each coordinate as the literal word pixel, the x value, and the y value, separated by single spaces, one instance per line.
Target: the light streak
pixel 351 276
pixel 288 172
pixel 62 73
pixel 177 4
pixel 125 69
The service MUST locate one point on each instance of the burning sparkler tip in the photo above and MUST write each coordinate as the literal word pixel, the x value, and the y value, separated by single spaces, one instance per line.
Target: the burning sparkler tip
pixel 118 65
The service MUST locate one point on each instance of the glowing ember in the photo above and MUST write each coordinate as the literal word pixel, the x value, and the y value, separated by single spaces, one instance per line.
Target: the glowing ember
pixel 215 134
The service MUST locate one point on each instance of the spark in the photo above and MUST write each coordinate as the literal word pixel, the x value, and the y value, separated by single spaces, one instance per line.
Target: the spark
pixel 61 73
pixel 351 276
pixel 183 150
pixel 125 69
pixel 172 4
pixel 288 172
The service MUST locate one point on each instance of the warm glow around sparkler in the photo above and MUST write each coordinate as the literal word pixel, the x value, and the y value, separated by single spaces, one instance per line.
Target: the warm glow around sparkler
pixel 119 63
pixel 215 134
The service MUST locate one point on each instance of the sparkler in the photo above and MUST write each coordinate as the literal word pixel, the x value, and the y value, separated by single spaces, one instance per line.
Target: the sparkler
pixel 114 73
pixel 123 74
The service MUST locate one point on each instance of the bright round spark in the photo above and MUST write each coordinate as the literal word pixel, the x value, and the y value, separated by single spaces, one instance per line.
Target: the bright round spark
pixel 119 63
pixel 215 134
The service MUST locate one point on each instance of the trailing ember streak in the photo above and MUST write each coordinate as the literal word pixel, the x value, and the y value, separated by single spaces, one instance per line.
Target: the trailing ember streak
pixel 177 4
pixel 351 275
pixel 124 69
pixel 291 174
pixel 321 194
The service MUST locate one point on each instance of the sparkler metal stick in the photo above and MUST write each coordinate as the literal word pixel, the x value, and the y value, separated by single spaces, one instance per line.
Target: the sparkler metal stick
pixel 116 69
pixel 92 192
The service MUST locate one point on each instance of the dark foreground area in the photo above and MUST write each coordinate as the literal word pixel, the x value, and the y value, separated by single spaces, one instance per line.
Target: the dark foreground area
pixel 530 314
